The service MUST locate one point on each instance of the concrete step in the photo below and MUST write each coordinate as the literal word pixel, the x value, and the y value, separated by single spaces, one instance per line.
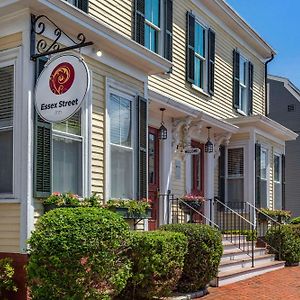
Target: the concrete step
pixel 232 276
pixel 236 253
pixel 231 265
pixel 235 244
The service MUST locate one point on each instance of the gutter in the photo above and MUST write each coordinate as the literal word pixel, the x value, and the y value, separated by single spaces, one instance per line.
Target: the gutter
pixel 266 83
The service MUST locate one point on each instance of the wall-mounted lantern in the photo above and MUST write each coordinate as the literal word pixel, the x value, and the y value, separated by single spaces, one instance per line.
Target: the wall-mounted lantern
pixel 209 146
pixel 162 131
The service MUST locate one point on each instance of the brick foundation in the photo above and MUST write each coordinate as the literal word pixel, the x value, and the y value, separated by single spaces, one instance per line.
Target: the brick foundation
pixel 19 262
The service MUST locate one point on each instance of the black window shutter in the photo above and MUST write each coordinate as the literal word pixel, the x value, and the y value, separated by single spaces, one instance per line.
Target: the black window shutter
pixel 168 52
pixel 43 150
pixel 222 174
pixel 211 60
pixel 283 181
pixel 236 79
pixel 190 47
pixel 83 5
pixel 142 107
pixel 250 88
pixel 257 175
pixel 139 22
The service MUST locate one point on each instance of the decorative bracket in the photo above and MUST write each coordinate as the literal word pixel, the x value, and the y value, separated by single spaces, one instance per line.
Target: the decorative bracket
pixel 219 140
pixel 42 47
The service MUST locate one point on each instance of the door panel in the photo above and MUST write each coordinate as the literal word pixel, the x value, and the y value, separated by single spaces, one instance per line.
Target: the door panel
pixel 153 176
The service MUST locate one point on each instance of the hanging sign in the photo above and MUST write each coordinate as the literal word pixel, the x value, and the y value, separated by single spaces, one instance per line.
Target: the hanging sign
pixel 61 88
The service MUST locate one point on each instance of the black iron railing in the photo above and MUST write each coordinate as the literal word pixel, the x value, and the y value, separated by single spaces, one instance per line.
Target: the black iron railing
pixel 234 222
pixel 263 223
pixel 180 211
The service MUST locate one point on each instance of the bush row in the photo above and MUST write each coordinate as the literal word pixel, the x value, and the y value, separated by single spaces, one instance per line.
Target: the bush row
pixel 285 242
pixel 89 253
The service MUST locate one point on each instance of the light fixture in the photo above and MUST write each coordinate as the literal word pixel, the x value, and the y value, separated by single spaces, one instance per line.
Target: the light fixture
pixel 162 131
pixel 209 147
pixel 99 53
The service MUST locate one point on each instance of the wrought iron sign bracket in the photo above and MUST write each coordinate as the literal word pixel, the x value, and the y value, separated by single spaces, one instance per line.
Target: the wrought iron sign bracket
pixel 43 47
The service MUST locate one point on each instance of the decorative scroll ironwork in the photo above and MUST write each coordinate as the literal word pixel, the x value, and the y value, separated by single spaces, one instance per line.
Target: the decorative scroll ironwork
pixel 43 47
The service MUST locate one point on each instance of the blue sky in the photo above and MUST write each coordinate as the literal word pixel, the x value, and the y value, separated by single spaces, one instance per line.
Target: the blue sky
pixel 278 22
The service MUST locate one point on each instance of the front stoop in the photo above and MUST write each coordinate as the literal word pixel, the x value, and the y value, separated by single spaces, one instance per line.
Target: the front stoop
pixel 236 264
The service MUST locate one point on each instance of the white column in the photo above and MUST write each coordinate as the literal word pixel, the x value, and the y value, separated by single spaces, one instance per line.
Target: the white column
pixel 165 172
pixel 209 169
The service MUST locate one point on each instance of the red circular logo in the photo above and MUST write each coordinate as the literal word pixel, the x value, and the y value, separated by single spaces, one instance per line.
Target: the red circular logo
pixel 62 78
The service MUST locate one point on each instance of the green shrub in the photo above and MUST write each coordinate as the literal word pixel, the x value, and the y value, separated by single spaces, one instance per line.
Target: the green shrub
pixel 157 264
pixel 79 253
pixel 281 216
pixel 203 257
pixel 295 220
pixel 7 272
pixel 284 240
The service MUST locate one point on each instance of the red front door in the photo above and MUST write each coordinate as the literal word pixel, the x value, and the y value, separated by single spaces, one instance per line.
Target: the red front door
pixel 153 175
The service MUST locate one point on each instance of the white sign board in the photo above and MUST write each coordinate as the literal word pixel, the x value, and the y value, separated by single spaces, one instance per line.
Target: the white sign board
pixel 61 88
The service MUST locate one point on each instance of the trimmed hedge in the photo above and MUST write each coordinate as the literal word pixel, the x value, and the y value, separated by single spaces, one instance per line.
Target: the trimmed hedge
pixel 284 238
pixel 295 220
pixel 203 257
pixel 79 253
pixel 157 264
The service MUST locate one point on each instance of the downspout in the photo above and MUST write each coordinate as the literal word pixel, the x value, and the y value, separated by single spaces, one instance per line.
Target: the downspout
pixel 266 83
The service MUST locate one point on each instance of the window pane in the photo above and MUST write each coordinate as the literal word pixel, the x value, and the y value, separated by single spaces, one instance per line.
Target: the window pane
pixel 199 72
pixel 199 40
pixel 243 65
pixel 72 125
pixel 152 11
pixel 67 165
pixel 276 168
pixel 6 162
pixel 263 164
pixel 151 154
pixel 151 38
pixel 121 173
pixel 236 162
pixel 120 121
pixel 277 195
pixel 263 193
pixel 6 96
pixel 236 190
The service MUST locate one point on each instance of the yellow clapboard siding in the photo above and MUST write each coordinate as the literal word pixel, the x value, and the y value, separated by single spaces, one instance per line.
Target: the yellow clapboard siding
pixel 9 227
pixel 11 41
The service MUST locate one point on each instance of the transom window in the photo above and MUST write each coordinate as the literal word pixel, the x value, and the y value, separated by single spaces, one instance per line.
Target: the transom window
pixel 67 142
pixel 121 147
pixel 152 25
pixel 244 103
pixel 6 128
pixel 200 56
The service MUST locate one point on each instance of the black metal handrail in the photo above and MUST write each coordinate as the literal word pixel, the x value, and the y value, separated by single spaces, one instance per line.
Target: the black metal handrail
pixel 180 211
pixel 262 227
pixel 237 229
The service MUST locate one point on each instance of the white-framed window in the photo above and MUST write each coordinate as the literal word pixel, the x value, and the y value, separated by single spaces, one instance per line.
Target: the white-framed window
pixel 235 174
pixel 244 82
pixel 264 178
pixel 121 144
pixel 201 49
pixel 277 173
pixel 67 164
pixel 153 25
pixel 7 103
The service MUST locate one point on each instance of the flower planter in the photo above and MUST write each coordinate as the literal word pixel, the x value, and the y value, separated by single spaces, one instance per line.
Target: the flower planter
pixel 126 214
pixel 186 205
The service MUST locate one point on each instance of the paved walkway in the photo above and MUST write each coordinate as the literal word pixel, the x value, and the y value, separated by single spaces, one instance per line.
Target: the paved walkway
pixel 277 285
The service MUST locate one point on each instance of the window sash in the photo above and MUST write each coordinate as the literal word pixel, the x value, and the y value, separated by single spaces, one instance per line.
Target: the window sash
pixel 235 163
pixel 152 15
pixel 277 169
